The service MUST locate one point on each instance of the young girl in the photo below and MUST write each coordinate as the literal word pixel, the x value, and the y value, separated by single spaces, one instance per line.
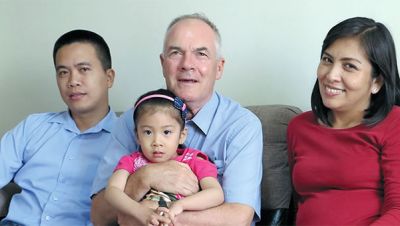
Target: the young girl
pixel 159 117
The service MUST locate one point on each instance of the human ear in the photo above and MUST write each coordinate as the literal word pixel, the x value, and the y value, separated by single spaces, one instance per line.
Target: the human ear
pixel 183 136
pixel 220 68
pixel 137 137
pixel 377 84
pixel 110 73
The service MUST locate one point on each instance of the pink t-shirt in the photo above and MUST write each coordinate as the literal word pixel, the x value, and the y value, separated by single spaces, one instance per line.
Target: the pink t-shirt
pixel 201 167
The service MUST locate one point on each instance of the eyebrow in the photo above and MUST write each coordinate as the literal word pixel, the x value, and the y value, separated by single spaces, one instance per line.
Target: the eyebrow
pixel 151 127
pixel 199 49
pixel 58 67
pixel 83 64
pixel 174 48
pixel 345 58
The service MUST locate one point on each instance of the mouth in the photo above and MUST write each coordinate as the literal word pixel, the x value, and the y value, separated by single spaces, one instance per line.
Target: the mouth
pixel 333 91
pixel 76 95
pixel 190 81
pixel 158 154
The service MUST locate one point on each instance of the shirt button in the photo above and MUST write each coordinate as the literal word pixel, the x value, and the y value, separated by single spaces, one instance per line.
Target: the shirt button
pixel 55 198
pixel 47 218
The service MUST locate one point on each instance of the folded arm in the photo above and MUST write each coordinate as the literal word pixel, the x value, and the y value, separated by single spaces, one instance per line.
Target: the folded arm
pixel 234 214
pixel 170 176
pixel 211 195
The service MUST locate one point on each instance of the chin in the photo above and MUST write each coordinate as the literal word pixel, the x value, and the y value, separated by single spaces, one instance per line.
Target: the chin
pixel 184 95
pixel 329 104
pixel 79 110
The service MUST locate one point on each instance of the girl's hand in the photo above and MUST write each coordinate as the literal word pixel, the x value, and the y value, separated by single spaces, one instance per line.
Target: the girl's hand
pixel 160 217
pixel 156 217
pixel 174 210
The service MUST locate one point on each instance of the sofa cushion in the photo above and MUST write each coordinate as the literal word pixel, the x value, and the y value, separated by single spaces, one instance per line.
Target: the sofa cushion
pixel 3 203
pixel 5 197
pixel 276 188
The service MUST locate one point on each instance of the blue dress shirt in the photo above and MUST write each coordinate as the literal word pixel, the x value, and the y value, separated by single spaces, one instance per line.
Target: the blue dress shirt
pixel 228 133
pixel 54 164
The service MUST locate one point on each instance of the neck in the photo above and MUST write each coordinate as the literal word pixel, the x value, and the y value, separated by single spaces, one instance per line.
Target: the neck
pixel 194 107
pixel 87 120
pixel 344 120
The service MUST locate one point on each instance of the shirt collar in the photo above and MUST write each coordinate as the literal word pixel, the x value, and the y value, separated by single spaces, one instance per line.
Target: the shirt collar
pixel 203 118
pixel 68 122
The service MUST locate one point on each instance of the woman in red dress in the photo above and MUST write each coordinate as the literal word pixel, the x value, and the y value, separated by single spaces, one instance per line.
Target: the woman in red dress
pixel 345 153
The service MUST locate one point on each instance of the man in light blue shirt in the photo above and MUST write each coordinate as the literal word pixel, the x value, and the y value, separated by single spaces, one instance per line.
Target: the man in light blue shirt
pixel 230 135
pixel 53 157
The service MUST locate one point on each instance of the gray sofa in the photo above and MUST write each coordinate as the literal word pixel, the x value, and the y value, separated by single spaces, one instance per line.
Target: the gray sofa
pixel 276 191
pixel 276 188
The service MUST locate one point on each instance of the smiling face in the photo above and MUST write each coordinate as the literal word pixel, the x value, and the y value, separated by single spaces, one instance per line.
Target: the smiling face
pixel 345 77
pixel 159 134
pixel 81 79
pixel 190 63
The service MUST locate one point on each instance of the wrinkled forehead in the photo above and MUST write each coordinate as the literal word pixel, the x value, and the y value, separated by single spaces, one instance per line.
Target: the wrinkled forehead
pixel 191 33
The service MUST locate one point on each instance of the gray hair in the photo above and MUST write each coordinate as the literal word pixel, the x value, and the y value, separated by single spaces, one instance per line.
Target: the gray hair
pixel 201 17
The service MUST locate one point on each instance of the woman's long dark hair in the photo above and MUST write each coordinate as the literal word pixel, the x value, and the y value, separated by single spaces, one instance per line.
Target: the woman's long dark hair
pixel 378 44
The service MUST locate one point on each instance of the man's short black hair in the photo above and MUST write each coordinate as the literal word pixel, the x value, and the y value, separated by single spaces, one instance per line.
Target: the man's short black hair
pixel 85 36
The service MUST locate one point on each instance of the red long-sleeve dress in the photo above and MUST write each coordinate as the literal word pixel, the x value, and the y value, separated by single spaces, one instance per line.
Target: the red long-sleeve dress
pixel 346 176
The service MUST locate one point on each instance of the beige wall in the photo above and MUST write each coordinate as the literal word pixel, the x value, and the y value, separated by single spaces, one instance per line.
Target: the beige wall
pixel 271 47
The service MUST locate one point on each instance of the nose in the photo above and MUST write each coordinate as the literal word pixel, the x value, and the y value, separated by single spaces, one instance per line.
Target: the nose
pixel 333 73
pixel 187 63
pixel 156 140
pixel 74 79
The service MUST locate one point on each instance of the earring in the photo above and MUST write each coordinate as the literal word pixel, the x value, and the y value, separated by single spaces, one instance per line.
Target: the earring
pixel 375 90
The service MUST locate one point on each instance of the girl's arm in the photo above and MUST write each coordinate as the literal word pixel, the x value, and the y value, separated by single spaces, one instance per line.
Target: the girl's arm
pixel 115 196
pixel 211 195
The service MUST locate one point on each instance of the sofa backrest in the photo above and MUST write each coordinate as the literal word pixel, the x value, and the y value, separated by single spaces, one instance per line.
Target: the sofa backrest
pixel 276 188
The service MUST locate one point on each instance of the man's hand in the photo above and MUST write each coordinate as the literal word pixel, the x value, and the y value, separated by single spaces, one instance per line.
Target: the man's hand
pixel 227 214
pixel 175 177
pixel 170 176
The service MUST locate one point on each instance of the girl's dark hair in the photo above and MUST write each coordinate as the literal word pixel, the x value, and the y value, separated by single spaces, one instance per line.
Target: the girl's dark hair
pixel 378 44
pixel 153 100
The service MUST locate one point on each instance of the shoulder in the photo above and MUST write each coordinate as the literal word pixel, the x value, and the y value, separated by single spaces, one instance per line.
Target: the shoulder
pixel 392 120
pixel 45 116
pixel 232 122
pixel 195 153
pixel 394 114
pixel 42 119
pixel 126 115
pixel 125 120
pixel 302 121
pixel 34 125
pixel 304 117
pixel 233 112
pixel 131 157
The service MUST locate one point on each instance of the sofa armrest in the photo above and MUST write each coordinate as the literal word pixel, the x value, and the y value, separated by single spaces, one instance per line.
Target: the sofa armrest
pixel 6 194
